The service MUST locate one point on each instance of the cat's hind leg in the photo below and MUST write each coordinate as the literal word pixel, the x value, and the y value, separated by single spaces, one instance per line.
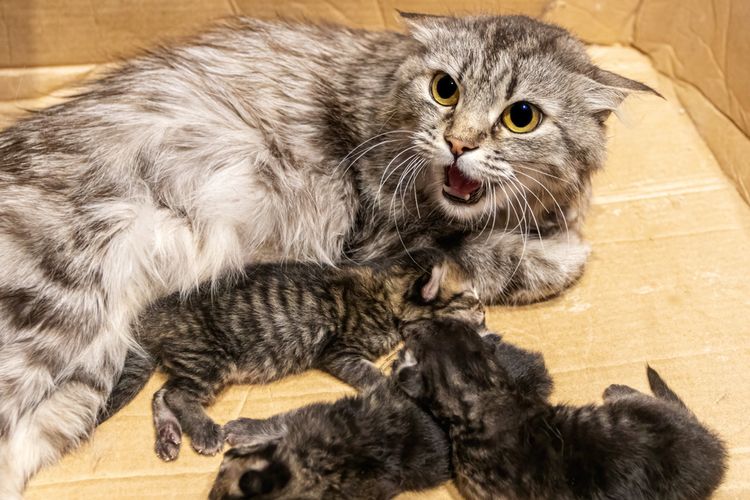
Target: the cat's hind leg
pixel 50 400
pixel 167 427
pixel 185 399
pixel 40 437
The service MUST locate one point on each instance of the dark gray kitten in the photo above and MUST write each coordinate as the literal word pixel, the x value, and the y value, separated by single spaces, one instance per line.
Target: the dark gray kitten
pixel 370 446
pixel 508 441
pixel 277 320
pixel 373 445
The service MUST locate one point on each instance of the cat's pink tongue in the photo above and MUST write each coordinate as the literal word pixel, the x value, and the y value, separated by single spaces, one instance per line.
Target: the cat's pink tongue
pixel 458 185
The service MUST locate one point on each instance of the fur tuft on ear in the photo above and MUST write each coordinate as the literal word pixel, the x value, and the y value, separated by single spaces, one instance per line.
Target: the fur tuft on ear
pixel 431 289
pixel 605 91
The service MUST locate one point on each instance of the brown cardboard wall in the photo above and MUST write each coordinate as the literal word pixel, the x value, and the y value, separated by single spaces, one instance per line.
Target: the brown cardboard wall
pixel 54 32
pixel 704 46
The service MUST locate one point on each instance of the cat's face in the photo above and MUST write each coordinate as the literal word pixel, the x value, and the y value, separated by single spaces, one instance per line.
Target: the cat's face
pixel 504 111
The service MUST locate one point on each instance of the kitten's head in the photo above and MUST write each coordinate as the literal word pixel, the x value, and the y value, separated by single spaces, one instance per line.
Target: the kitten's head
pixel 429 284
pixel 501 109
pixel 462 377
pixel 257 470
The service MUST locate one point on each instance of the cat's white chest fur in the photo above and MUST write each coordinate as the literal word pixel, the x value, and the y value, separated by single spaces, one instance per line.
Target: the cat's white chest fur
pixel 240 214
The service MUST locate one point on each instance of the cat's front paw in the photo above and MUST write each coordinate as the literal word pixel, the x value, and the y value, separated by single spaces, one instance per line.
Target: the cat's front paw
pixel 547 267
pixel 237 431
pixel 168 439
pixel 208 439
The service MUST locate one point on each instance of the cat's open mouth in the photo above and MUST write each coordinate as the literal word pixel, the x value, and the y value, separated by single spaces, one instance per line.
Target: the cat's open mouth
pixel 459 188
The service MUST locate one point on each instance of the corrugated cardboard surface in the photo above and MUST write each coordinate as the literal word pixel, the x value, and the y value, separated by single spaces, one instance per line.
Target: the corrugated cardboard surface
pixel 51 32
pixel 667 284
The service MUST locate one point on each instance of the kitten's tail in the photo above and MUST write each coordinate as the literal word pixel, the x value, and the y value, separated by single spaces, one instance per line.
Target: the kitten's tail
pixel 138 369
pixel 660 388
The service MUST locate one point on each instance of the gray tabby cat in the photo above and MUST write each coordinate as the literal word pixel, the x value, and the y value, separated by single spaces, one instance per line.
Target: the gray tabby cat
pixel 509 441
pixel 274 141
pixel 279 320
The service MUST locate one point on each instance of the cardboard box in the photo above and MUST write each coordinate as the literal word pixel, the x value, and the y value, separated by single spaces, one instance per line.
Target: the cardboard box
pixel 668 282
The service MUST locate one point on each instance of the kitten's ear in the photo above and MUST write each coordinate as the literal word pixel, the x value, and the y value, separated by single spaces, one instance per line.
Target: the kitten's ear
pixel 408 375
pixel 605 91
pixel 431 289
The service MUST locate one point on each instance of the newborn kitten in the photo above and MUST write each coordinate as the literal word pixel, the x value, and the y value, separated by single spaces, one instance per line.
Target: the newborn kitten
pixel 386 441
pixel 280 320
pixel 508 441
pixel 373 445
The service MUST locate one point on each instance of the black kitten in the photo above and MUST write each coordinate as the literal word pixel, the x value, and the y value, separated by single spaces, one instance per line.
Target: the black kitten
pixel 280 320
pixel 373 446
pixel 508 441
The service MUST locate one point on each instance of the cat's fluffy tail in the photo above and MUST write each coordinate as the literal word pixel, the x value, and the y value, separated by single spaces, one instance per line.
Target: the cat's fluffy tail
pixel 138 369
pixel 660 388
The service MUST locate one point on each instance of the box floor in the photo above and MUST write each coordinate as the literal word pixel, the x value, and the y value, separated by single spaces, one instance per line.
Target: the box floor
pixel 667 284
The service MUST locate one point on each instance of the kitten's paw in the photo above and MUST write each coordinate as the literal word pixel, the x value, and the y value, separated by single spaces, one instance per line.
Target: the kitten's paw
pixel 237 431
pixel 208 440
pixel 168 439
pixel 616 391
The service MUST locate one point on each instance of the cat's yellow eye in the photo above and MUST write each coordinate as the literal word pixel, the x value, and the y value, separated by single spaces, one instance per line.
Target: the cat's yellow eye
pixel 444 90
pixel 521 117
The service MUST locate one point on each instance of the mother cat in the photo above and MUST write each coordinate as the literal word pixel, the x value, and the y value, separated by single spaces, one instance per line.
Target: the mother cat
pixel 260 141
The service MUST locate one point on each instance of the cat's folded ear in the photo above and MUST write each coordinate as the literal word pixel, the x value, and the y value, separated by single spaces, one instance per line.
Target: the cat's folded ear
pixel 605 91
pixel 431 289
pixel 421 26
pixel 408 375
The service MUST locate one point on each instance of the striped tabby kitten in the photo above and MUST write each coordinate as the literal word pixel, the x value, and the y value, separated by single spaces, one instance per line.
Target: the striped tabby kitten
pixel 275 141
pixel 279 320
pixel 509 441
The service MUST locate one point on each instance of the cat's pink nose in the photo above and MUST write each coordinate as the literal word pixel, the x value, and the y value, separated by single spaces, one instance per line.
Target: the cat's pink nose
pixel 458 146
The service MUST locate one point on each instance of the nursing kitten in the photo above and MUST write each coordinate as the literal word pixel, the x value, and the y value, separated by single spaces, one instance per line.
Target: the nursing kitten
pixel 373 445
pixel 281 319
pixel 275 141
pixel 509 442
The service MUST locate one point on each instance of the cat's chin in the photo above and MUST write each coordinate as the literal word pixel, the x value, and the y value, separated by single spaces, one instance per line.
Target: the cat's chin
pixel 463 199
pixel 461 209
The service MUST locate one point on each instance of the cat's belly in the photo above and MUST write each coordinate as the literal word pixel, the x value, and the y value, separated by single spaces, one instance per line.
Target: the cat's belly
pixel 248 214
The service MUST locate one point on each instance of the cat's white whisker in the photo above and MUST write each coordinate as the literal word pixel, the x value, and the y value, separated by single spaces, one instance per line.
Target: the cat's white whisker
pixel 522 189
pixel 554 200
pixel 541 172
pixel 355 150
